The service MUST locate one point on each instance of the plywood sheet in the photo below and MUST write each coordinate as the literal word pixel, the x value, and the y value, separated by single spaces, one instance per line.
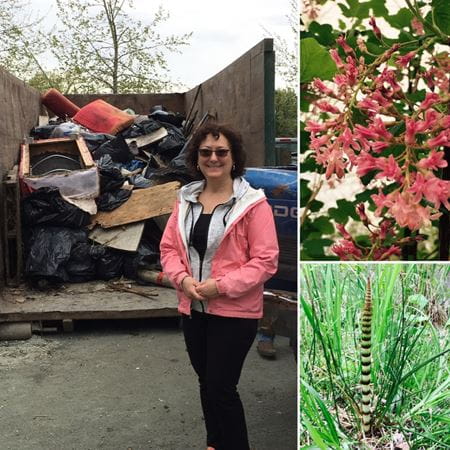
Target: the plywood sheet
pixel 143 204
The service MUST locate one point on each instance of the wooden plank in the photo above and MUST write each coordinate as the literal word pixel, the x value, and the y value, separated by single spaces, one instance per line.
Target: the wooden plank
pixel 57 145
pixel 143 204
pixel 24 168
pixel 86 156
pixel 93 300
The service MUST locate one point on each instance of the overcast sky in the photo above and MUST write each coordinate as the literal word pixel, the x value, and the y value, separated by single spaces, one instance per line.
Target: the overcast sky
pixel 222 31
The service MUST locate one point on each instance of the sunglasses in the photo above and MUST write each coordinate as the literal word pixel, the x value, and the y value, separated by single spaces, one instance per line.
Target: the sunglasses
pixel 206 152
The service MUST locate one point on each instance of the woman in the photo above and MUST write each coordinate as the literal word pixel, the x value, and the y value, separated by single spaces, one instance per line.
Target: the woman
pixel 218 248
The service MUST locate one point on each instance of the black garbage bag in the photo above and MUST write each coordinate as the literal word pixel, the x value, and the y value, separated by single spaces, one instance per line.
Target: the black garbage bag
pixel 139 181
pixel 168 174
pixel 146 255
pixel 142 125
pixel 95 140
pixel 170 146
pixel 110 176
pixel 179 162
pixel 44 131
pixel 82 263
pixel 117 148
pixel 45 206
pixel 111 200
pixel 47 253
pixel 110 264
pixel 162 115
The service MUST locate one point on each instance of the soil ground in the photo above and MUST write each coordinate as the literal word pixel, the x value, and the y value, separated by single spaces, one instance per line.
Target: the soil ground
pixel 128 384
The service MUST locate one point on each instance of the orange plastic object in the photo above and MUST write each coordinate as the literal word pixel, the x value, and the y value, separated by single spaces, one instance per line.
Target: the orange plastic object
pixel 101 117
pixel 60 105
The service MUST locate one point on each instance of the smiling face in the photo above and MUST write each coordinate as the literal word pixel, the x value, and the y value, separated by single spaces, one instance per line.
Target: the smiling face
pixel 215 166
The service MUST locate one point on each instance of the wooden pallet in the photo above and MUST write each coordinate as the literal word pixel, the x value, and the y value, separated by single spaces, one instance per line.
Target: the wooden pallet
pixel 93 300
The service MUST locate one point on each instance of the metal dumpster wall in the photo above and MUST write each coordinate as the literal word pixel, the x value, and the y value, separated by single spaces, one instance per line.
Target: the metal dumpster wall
pixel 140 103
pixel 19 110
pixel 242 95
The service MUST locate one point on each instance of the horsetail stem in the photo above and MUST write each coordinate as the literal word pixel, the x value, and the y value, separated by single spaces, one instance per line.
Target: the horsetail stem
pixel 366 360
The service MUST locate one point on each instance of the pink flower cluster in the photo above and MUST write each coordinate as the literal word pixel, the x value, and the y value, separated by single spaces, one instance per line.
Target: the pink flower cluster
pixel 385 242
pixel 399 141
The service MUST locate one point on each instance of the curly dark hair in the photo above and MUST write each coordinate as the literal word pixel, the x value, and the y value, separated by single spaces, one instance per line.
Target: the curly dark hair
pixel 215 129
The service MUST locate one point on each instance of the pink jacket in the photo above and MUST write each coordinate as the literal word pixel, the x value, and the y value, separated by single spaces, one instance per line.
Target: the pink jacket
pixel 245 259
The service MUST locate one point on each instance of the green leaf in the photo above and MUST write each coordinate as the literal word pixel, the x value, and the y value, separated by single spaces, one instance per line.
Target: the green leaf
pixel 359 117
pixel 400 20
pixel 310 165
pixel 343 212
pixel 379 8
pixel 365 195
pixel 305 192
pixel 419 300
pixel 314 247
pixel 355 9
pixel 416 97
pixel 368 177
pixel 316 62
pixel 322 33
pixel 315 206
pixel 441 15
pixel 324 225
pixel 304 104
pixel 363 241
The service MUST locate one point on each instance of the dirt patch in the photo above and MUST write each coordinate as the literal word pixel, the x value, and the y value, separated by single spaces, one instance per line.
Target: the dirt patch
pixel 16 353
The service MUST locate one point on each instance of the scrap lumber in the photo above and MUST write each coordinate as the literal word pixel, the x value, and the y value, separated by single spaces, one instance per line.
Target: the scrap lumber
pixel 143 204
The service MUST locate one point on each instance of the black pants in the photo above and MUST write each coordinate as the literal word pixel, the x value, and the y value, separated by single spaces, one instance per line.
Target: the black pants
pixel 217 347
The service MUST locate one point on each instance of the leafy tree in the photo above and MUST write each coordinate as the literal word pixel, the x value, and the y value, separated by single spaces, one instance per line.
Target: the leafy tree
pixel 22 43
pixel 286 112
pixel 104 50
pixel 286 63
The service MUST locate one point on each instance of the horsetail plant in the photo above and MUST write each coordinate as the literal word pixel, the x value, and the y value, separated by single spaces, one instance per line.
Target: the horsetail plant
pixel 366 360
pixel 387 346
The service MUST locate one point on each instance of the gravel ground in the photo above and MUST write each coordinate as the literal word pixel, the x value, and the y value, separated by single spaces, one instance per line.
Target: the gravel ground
pixel 128 385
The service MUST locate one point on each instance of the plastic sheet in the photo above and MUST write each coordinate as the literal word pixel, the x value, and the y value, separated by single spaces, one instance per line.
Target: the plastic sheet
pixel 116 148
pixel 46 206
pixel 168 117
pixel 108 201
pixel 139 181
pixel 110 264
pixel 169 147
pixel 49 250
pixel 80 183
pixel 147 255
pixel 82 263
pixel 142 125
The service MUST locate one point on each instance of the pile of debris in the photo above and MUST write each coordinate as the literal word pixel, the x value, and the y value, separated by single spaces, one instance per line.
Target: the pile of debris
pixel 97 184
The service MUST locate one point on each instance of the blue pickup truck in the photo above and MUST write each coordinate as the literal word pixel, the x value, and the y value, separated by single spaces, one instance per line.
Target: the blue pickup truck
pixel 280 298
pixel 280 187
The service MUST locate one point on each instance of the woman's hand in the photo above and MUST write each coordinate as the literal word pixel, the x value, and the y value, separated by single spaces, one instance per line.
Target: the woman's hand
pixel 189 286
pixel 208 288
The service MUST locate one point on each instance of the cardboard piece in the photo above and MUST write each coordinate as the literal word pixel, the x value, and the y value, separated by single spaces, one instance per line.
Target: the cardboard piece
pixel 143 204
pixel 123 237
